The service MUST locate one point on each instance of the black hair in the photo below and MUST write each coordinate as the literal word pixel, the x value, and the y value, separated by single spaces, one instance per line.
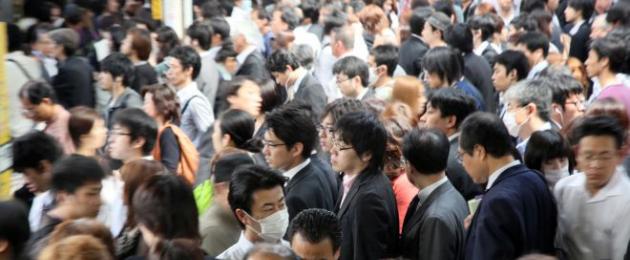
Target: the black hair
pixel 485 23
pixel 352 67
pixel 227 89
pixel 562 85
pixel 452 102
pixel 310 9
pixel 527 6
pixel 14 227
pixel 280 59
pixel 365 133
pixel 460 38
pixel 221 27
pixel 212 9
pixel 29 150
pixel 226 51
pixel 179 248
pixel 240 126
pixel 272 94
pixel 445 62
pixel 612 48
pixel 387 55
pixel 546 145
pixel 167 39
pixel 289 17
pixel 514 60
pixel 316 225
pixel 534 41
pixel 445 7
pixel 340 107
pixel 426 149
pixel 291 127
pixel 36 90
pixel 74 171
pixel 598 126
pixel 139 124
pixel 488 131
pixel 336 19
pixel 188 58
pixel 586 6
pixel 202 33
pixel 619 13
pixel 165 205
pixel 418 17
pixel 16 38
pixel 247 180
pixel 118 65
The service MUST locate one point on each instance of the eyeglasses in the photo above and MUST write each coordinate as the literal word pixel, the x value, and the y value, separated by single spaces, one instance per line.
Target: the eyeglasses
pixel 338 81
pixel 605 157
pixel 337 145
pixel 270 144
pixel 114 133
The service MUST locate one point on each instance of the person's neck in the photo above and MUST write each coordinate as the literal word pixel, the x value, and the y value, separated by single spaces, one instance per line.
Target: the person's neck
pixel 382 81
pixel 505 12
pixel 425 180
pixel 294 163
pixel 62 57
pixel 260 120
pixel 64 212
pixel 294 76
pixel 538 62
pixel 52 115
pixel 117 91
pixel 533 124
pixel 593 189
pixel 159 120
pixel 606 78
pixel 578 20
pixel 86 151
pixel 134 59
pixel 184 84
pixel 495 163
pixel 437 43
pixel 135 156
pixel 450 132
pixel 476 42
pixel 356 170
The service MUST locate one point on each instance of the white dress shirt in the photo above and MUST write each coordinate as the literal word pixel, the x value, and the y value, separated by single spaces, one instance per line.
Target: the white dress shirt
pixel 113 212
pixel 293 171
pixel 593 227
pixel 242 246
pixel 198 116
pixel 539 67
pixel 41 203
pixel 495 175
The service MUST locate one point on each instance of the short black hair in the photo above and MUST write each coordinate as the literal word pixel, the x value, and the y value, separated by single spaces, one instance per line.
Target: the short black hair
pixel 29 150
pixel 272 94
pixel 387 55
pixel 119 65
pixel 514 60
pixel 316 225
pixel 452 102
pixel 74 171
pixel 188 58
pixel 225 164
pixel 336 19
pixel 352 66
pixel 339 107
pixel 445 62
pixel 211 9
pixel 586 6
pixel 601 125
pixel 426 149
pixel 562 84
pixel 221 27
pixel 165 204
pixel 247 180
pixel 290 126
pixel 534 41
pixel 488 131
pixel 226 51
pixel 201 32
pixel 485 23
pixel 418 17
pixel 280 59
pixel 139 125
pixel 14 227
pixel 365 132
pixel 289 17
pixel 444 6
pixel 459 37
pixel 619 13
pixel 546 145
pixel 612 48
pixel 310 9
pixel 36 90
pixel 15 37
pixel 527 6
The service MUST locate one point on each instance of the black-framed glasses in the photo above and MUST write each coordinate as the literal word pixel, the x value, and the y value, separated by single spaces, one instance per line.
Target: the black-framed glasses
pixel 271 144
pixel 337 145
pixel 338 81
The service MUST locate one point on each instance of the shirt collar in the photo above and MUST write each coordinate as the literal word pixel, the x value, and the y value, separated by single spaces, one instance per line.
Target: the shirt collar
pixel 537 69
pixel 362 93
pixel 296 84
pixel 423 195
pixel 614 187
pixel 241 57
pixel 453 136
pixel 187 92
pixel 479 50
pixel 495 175
pixel 576 27
pixel 293 171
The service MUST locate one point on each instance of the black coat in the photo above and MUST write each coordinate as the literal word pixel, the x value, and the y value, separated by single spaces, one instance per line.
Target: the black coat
pixel 73 83
pixel 579 41
pixel 254 67
pixel 436 229
pixel 369 218
pixel 308 189
pixel 458 176
pixel 144 75
pixel 411 53
pixel 331 176
pixel 311 92
pixel 478 71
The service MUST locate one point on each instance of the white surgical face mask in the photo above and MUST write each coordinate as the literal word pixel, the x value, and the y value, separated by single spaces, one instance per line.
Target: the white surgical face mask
pixel 373 76
pixel 509 119
pixel 553 176
pixel 273 227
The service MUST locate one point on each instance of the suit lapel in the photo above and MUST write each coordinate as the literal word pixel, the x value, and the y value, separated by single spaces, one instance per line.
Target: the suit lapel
pixel 353 191
pixel 419 214
pixel 298 177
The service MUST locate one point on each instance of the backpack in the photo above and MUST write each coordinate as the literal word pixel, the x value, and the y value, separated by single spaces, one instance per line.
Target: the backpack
pixel 188 155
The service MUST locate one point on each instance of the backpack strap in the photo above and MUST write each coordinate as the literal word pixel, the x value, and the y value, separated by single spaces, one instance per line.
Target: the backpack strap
pixel 28 75
pixel 188 103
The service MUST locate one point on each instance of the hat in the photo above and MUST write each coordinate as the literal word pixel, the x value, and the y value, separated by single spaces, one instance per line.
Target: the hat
pixel 225 166
pixel 439 21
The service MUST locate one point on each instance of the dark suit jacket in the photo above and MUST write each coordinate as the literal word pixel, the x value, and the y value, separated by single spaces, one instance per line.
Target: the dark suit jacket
pixel 73 83
pixel 331 176
pixel 411 53
pixel 458 176
pixel 144 75
pixel 311 92
pixel 308 189
pixel 579 41
pixel 478 71
pixel 516 216
pixel 436 229
pixel 369 218
pixel 254 66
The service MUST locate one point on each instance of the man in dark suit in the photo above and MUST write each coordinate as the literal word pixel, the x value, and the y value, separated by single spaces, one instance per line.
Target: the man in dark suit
pixel 446 110
pixel 413 49
pixel 577 14
pixel 367 207
pixel 288 143
pixel 434 223
pixel 251 61
pixel 300 84
pixel 517 215
pixel 73 82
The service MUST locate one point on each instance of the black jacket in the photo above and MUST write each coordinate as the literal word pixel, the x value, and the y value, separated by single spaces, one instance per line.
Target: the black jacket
pixel 254 66
pixel 73 83
pixel 308 189
pixel 478 71
pixel 579 41
pixel 411 53
pixel 144 75
pixel 458 176
pixel 311 92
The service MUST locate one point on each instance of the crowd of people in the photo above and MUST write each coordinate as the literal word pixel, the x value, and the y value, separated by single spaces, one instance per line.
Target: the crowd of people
pixel 319 129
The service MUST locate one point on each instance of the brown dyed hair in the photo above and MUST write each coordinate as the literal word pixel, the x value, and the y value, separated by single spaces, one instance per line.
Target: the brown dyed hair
pixel 84 226
pixel 140 42
pixel 485 8
pixel 133 174
pixel 373 18
pixel 165 101
pixel 574 63
pixel 610 107
pixel 84 247
pixel 408 90
pixel 81 122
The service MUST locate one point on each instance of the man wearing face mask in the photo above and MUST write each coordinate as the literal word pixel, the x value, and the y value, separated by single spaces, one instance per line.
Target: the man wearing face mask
pixel 383 60
pixel 528 104
pixel 256 198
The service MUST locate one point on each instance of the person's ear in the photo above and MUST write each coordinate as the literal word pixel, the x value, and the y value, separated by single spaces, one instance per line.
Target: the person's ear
pixel 480 151
pixel 44 166
pixel 138 143
pixel 366 157
pixel 296 150
pixel 242 217
pixel 4 246
pixel 189 71
pixel 381 70
pixel 225 140
pixel 451 121
pixel 556 108
pixel 46 101
pixel 231 99
pixel 119 80
pixel 62 196
pixel 513 75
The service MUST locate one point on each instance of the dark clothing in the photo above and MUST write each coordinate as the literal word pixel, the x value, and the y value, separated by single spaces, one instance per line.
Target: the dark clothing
pixel 478 71
pixel 579 41
pixel 435 230
pixel 458 176
pixel 472 92
pixel 39 239
pixel 129 98
pixel 411 53
pixel 169 150
pixel 308 189
pixel 73 83
pixel 516 216
pixel 369 218
pixel 254 66
pixel 331 176
pixel 311 92
pixel 144 75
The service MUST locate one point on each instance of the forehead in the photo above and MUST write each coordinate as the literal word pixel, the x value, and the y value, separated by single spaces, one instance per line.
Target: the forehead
pixel 89 186
pixel 261 197
pixel 310 250
pixel 499 67
pixel 597 143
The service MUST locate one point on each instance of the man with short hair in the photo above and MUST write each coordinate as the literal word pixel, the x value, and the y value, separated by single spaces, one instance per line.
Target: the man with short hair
pixel 221 33
pixel 315 234
pixel 605 62
pixel 535 46
pixel 199 37
pixel 196 112
pixel 567 100
pixel 578 15
pixel 382 61
pixel 517 214
pixel 510 67
pixel 434 29
pixel 446 109
pixel 434 223
pixel 351 78
pixel 288 144
pixel 413 49
pixel 325 61
pixel 250 61
pixel 132 135
pixel 593 203
pixel 257 200
pixel 115 77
